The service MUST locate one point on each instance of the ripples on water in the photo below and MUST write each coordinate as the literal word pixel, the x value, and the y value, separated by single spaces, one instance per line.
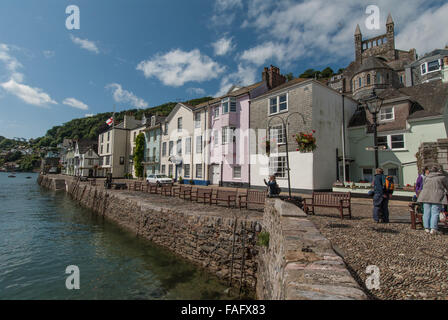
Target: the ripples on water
pixel 42 232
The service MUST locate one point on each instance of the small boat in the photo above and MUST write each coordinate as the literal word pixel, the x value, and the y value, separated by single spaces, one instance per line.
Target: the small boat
pixel 28 177
pixel 11 176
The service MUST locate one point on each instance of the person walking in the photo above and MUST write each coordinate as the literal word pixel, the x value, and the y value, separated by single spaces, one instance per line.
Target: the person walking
pixel 433 196
pixel 419 183
pixel 380 197
pixel 272 186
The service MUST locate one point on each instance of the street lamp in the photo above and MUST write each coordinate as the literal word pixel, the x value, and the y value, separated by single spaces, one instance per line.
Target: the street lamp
pixel 285 131
pixel 373 104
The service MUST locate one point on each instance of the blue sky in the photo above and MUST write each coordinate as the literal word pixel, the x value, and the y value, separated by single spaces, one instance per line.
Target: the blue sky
pixel 139 53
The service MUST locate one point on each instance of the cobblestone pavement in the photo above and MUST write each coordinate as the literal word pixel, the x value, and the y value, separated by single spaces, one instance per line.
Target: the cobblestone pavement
pixel 412 263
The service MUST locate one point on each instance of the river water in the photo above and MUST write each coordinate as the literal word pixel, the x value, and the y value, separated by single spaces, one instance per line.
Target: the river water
pixel 42 232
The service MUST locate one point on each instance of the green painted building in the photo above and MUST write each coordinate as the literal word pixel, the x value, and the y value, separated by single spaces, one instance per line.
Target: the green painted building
pixel 153 134
pixel 408 117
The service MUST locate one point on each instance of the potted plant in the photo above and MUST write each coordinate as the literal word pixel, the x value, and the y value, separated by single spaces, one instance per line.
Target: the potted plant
pixel 181 180
pixel 306 141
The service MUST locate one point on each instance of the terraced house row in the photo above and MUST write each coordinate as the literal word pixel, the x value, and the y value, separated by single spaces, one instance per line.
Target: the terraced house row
pixel 240 138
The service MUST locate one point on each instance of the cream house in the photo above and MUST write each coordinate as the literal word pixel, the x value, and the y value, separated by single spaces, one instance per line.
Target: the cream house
pixel 86 159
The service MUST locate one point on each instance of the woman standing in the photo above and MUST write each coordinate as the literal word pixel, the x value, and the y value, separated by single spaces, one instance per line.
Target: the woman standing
pixel 433 197
pixel 272 186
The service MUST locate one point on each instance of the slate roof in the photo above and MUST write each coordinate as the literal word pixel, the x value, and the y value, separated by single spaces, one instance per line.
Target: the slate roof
pixel 85 145
pixel 427 100
pixel 235 93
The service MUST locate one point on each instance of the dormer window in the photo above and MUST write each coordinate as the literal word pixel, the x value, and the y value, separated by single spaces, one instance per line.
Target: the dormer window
pixel 431 66
pixel 387 114
pixel 228 104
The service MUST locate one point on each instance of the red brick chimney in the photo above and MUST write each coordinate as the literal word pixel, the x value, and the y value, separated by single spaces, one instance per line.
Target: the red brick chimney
pixel 272 77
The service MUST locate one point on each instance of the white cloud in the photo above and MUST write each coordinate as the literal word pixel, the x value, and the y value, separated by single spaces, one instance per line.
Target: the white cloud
pixel 72 102
pixel 34 96
pixel 177 67
pixel 85 44
pixel 48 54
pixel 222 5
pixel 223 46
pixel 11 63
pixel 196 91
pixel 123 96
pixel 319 28
pixel 245 75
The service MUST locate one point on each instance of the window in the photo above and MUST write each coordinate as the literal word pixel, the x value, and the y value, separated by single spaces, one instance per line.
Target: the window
pixel 170 148
pixel 102 138
pixel 394 173
pixel 360 82
pixel 278 104
pixel 227 135
pixel 166 129
pixel 394 142
pixel 179 147
pixel 387 114
pixel 277 166
pixel 108 136
pixel 382 141
pixel 378 78
pixel 164 149
pixel 163 168
pixel 170 170
pixel 277 133
pixel 216 137
pixel 107 148
pixel 216 112
pixel 188 145
pixel 101 148
pixel 232 104
pixel 199 171
pixel 225 105
pixel 237 172
pixel 197 120
pixel 154 153
pixel 367 174
pixel 135 134
pixel 431 66
pixel 397 141
pixel 199 144
pixel 186 171
pixel 108 160
pixel 368 79
pixel 90 162
pixel 179 124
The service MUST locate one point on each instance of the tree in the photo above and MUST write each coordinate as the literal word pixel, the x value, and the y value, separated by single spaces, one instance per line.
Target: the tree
pixel 310 73
pixel 289 76
pixel 139 154
pixel 327 72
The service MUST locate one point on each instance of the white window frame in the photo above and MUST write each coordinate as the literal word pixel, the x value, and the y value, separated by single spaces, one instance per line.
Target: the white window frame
pixel 179 147
pixel 216 112
pixel 198 172
pixel 197 122
pixel 227 134
pixel 188 145
pixel 171 148
pixel 385 113
pixel 279 133
pixel 198 144
pixel 233 172
pixel 187 173
pixel 223 102
pixel 277 160
pixel 216 137
pixel 424 66
pixel 179 124
pixel 389 141
pixel 277 97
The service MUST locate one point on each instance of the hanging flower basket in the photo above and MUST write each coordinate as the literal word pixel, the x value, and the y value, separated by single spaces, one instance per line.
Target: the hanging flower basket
pixel 306 141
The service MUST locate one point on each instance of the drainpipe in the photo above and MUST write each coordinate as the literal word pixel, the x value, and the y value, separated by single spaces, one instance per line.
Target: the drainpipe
pixel 343 137
pixel 248 140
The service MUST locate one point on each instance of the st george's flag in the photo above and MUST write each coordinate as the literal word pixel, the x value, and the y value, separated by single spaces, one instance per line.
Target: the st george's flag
pixel 110 121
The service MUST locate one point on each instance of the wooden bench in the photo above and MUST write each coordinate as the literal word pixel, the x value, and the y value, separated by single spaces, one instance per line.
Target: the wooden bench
pixel 201 193
pixel 152 188
pixel 224 196
pixel 340 200
pixel 252 197
pixel 416 217
pixel 165 189
pixel 182 191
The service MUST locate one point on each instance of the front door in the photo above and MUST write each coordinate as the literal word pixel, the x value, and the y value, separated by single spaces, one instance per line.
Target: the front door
pixel 215 173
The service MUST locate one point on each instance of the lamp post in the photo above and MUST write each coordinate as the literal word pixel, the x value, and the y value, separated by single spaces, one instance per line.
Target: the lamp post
pixel 373 104
pixel 285 131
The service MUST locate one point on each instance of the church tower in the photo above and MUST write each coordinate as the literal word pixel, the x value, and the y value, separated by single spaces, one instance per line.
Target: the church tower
pixel 390 27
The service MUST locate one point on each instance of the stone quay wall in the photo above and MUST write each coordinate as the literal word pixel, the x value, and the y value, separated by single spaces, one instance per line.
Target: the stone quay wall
pixel 224 245
pixel 299 263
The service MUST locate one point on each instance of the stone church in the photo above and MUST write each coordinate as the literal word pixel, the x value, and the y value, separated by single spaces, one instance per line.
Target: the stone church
pixel 378 65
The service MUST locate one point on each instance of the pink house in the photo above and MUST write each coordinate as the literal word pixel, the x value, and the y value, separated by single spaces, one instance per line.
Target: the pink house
pixel 229 134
